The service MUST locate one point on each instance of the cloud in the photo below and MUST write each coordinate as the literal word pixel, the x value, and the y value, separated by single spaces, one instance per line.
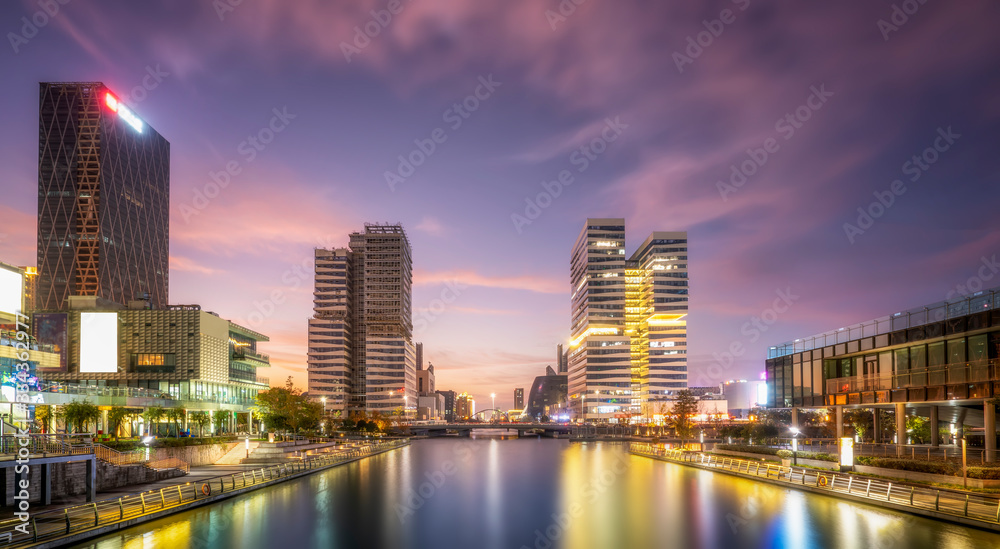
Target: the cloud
pixel 178 263
pixel 431 226
pixel 472 278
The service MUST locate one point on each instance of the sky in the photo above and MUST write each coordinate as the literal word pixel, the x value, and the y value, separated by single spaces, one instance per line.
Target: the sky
pixel 492 130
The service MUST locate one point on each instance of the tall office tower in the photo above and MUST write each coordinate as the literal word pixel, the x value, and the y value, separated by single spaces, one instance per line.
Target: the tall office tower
pixel 519 399
pixel 329 364
pixel 103 199
pixel 361 349
pixel 656 310
pixel 599 361
pixel 420 356
pixel 561 359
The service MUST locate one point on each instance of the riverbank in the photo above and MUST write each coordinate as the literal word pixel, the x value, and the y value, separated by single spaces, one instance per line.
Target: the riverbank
pixel 965 509
pixel 61 527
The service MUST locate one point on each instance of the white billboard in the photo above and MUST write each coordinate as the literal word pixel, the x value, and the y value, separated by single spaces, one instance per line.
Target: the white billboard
pixel 99 343
pixel 11 289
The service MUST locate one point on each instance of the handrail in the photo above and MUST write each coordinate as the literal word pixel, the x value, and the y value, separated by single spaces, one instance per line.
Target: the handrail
pixel 61 522
pixel 957 372
pixel 961 504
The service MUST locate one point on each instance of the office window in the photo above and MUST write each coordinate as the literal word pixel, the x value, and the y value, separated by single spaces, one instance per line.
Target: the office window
pixel 956 350
pixel 936 355
pixel 902 360
pixel 978 349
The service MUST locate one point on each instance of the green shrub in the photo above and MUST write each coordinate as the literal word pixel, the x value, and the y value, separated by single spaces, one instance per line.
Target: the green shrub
pixel 784 454
pixel 933 467
pixel 766 450
pixel 123 445
pixel 984 473
pixel 819 456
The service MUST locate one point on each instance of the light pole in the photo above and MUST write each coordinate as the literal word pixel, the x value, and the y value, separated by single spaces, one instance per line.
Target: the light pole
pixel 494 397
pixel 795 445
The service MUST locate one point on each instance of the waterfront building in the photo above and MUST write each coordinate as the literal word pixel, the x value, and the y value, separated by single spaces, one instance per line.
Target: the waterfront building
pixel 940 361
pixel 548 397
pixel 519 398
pixel 465 407
pixel 628 347
pixel 742 396
pixel 361 352
pixel 449 404
pixel 103 199
pixel 425 380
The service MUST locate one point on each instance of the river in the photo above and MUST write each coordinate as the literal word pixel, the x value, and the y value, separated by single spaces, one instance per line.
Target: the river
pixel 488 492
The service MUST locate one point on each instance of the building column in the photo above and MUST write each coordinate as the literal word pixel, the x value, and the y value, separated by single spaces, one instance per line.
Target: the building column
pixel 960 434
pixel 839 413
pixel 935 428
pixel 91 479
pixel 46 484
pixel 900 427
pixel 990 424
pixel 875 430
pixel 104 422
pixel 795 418
pixel 5 474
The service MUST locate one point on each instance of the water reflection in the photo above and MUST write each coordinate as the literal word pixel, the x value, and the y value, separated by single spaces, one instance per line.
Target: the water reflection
pixel 535 493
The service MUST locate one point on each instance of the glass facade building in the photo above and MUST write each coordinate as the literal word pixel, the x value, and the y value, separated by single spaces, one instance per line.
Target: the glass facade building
pixel 103 199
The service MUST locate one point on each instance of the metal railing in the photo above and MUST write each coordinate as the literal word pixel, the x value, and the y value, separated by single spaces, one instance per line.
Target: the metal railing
pixel 57 523
pixel 44 445
pixel 960 504
pixel 960 372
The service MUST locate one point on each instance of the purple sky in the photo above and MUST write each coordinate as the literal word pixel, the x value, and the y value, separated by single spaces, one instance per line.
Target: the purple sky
pixel 323 175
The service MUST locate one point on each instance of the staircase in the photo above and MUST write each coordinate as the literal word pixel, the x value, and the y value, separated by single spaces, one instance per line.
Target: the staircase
pixel 237 454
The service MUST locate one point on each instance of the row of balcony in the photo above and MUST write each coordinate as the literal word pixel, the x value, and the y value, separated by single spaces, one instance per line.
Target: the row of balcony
pixel 950 374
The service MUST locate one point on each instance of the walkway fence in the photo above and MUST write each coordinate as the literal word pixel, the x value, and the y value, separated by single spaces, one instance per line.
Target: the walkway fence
pixel 44 445
pixel 921 452
pixel 960 504
pixel 54 524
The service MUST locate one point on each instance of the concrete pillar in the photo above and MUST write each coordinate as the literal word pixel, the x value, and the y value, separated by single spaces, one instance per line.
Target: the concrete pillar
pixel 960 434
pixel 840 422
pixel 876 438
pixel 795 418
pixel 935 428
pixel 990 423
pixel 900 427
pixel 104 422
pixel 5 474
pixel 91 479
pixel 46 484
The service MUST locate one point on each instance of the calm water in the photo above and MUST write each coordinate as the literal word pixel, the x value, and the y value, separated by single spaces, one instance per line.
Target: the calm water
pixel 537 493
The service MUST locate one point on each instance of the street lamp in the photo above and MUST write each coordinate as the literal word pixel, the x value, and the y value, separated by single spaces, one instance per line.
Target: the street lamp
pixel 795 445
pixel 494 397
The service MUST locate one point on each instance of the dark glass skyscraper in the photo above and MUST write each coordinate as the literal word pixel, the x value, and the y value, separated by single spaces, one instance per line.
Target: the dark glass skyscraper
pixel 103 199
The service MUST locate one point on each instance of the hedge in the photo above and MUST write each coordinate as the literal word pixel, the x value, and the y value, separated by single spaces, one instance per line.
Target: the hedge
pixel 984 473
pixel 933 467
pixel 750 449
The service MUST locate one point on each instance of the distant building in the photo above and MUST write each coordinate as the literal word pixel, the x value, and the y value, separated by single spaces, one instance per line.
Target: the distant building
pixel 548 396
pixel 742 396
pixel 430 406
pixel 103 199
pixel 420 356
pixel 465 407
pixel 449 404
pixel 561 360
pixel 519 399
pixel 425 381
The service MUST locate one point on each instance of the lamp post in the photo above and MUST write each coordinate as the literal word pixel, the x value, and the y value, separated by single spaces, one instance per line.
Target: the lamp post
pixel 795 445
pixel 494 397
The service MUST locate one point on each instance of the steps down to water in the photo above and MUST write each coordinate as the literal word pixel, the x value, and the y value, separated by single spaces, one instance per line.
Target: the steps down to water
pixel 237 454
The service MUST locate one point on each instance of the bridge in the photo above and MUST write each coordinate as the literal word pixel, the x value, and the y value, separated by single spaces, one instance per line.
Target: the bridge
pixel 465 429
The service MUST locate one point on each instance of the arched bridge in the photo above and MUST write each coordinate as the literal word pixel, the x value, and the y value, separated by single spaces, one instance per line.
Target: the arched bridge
pixel 464 429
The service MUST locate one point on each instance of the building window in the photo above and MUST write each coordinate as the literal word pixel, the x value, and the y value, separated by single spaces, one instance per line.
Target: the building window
pixel 152 362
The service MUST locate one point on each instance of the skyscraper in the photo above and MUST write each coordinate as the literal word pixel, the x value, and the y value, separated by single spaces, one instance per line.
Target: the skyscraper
pixel 361 351
pixel 519 398
pixel 103 199
pixel 629 334
pixel 600 374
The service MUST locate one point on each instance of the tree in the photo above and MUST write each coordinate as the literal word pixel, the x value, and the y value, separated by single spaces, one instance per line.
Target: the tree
pixel 200 419
pixel 117 416
pixel 153 415
pixel 918 430
pixel 43 417
pixel 175 416
pixel 219 421
pixel 861 420
pixel 680 420
pixel 79 414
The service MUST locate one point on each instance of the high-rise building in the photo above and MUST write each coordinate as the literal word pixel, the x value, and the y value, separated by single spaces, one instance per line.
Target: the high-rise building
pixel 519 398
pixel 361 349
pixel 420 356
pixel 103 199
pixel 425 380
pixel 563 367
pixel 657 295
pixel 330 364
pixel 600 372
pixel 449 404
pixel 628 346
pixel 465 407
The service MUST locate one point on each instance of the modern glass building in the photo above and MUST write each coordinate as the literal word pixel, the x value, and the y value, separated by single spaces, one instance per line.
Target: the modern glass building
pixel 941 357
pixel 103 199
pixel 361 350
pixel 628 347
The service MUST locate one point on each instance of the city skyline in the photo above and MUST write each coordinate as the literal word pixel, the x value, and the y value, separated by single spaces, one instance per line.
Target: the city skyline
pixel 854 129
